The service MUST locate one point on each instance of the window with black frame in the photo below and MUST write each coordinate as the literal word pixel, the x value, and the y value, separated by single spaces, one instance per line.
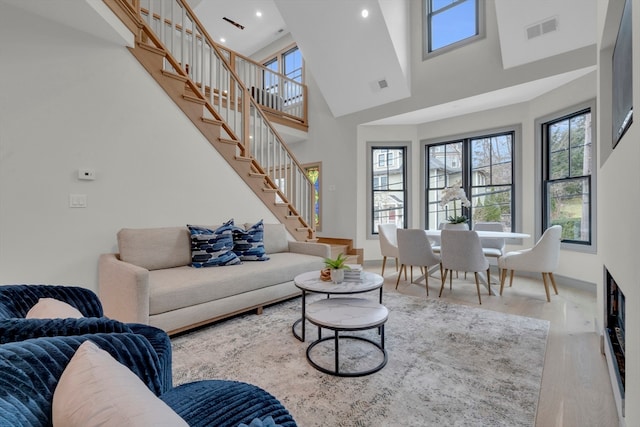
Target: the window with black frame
pixel 567 169
pixel 450 23
pixel 388 187
pixel 483 166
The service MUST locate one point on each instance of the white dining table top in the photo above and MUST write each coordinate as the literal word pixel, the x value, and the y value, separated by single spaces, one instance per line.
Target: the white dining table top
pixel 489 234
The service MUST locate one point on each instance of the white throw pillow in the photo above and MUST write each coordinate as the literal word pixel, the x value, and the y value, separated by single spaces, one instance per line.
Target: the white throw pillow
pixel 97 390
pixel 50 308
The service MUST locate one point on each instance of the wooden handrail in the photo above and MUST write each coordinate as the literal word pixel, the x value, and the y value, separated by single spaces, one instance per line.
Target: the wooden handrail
pixel 228 100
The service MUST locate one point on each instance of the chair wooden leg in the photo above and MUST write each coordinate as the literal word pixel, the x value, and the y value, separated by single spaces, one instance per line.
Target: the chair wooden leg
pixel 503 277
pixel 444 279
pixel 511 278
pixel 384 262
pixel 396 263
pixel 426 278
pixel 546 286
pixel 440 271
pixel 411 268
pixel 399 275
pixel 489 281
pixel 478 286
pixel 553 282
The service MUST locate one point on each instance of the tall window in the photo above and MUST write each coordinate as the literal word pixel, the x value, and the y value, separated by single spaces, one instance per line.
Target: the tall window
pixel 450 23
pixel 484 168
pixel 567 168
pixel 388 187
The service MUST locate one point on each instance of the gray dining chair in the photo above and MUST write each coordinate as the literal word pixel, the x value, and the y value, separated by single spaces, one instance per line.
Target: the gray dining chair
pixel 388 243
pixel 462 251
pixel 541 258
pixel 415 250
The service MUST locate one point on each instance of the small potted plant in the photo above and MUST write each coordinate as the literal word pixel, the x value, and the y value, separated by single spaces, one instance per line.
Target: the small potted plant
pixel 336 267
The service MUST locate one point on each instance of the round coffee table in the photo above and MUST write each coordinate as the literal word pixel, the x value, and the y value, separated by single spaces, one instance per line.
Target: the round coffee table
pixel 347 314
pixel 311 282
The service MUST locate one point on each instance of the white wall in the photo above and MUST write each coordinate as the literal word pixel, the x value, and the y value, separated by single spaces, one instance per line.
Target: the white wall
pixel 70 101
pixel 619 199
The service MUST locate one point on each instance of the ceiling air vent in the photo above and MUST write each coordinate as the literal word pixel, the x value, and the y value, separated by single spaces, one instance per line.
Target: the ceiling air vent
pixel 382 83
pixel 544 27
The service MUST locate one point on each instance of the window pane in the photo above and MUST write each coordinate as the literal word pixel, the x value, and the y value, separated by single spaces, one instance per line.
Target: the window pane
pixel 292 66
pixel 452 25
pixel 492 204
pixel 568 204
pixel 388 207
pixel 580 145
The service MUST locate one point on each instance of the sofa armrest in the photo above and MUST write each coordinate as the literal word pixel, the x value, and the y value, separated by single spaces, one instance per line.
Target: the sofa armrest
pixel 310 248
pixel 123 289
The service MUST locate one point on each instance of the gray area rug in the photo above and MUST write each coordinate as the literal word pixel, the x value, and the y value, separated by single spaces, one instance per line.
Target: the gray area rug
pixel 448 365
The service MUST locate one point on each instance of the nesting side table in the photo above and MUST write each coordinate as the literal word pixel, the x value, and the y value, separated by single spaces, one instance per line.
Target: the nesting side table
pixel 311 282
pixel 347 314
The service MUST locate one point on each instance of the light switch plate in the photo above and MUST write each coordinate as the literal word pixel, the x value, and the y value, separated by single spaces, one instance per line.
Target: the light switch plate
pixel 77 200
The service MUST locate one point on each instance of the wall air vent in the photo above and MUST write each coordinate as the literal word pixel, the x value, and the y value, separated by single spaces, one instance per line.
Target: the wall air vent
pixel 547 26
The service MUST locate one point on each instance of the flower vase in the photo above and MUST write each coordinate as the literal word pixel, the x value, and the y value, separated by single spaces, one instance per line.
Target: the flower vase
pixel 458 226
pixel 337 275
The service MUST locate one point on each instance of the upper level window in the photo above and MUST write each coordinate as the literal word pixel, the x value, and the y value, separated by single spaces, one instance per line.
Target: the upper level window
pixel 567 170
pixel 288 62
pixel 450 23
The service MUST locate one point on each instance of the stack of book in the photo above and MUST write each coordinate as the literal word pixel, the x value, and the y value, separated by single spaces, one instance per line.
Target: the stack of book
pixel 354 273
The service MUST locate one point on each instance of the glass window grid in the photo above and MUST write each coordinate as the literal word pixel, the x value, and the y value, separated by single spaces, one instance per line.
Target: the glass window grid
pixel 388 162
pixel 556 150
pixel 441 174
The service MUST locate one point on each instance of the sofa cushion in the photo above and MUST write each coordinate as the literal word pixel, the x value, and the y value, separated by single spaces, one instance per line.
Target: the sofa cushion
pixel 51 308
pixel 95 389
pixel 180 287
pixel 212 248
pixel 249 244
pixel 275 238
pixel 155 248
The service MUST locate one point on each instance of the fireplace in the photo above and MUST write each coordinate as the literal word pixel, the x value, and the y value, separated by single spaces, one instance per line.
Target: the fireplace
pixel 614 337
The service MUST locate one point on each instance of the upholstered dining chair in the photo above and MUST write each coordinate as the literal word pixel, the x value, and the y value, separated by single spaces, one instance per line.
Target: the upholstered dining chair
pixel 414 249
pixel 541 258
pixel 492 247
pixel 461 251
pixel 388 243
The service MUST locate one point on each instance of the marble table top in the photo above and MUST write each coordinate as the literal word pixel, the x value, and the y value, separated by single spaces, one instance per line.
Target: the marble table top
pixel 311 282
pixel 347 313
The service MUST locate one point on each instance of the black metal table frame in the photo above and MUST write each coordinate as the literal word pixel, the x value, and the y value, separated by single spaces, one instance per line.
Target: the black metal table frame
pixel 302 335
pixel 337 337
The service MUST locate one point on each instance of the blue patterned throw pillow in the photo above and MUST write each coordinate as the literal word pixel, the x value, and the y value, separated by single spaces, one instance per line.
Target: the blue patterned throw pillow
pixel 212 248
pixel 249 244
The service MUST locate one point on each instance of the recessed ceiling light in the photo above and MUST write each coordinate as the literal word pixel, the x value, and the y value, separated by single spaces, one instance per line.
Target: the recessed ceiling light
pixel 222 40
pixel 364 13
pixel 258 14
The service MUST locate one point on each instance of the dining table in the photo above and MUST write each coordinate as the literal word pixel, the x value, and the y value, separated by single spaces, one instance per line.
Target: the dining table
pixel 482 234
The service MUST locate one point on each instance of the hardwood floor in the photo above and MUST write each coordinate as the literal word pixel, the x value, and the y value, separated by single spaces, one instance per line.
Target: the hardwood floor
pixel 575 391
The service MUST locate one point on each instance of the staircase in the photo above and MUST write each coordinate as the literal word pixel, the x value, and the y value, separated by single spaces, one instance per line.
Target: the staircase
pixel 176 50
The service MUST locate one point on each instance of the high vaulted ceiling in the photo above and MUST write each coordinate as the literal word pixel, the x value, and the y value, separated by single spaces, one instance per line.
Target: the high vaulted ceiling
pixel 347 54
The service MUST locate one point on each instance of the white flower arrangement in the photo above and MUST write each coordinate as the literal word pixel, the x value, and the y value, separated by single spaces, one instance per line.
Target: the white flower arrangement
pixel 452 194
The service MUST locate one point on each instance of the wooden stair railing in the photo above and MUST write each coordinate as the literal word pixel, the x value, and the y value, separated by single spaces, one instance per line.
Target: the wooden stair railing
pixel 198 78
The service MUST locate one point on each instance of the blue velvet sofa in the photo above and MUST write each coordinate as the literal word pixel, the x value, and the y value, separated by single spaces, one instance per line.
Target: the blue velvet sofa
pixel 16 300
pixel 32 368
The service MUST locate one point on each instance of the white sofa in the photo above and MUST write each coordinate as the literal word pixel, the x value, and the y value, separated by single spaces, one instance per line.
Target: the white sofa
pixel 151 281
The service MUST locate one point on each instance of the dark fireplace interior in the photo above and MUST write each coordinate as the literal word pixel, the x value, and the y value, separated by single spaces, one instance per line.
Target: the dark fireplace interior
pixel 615 324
